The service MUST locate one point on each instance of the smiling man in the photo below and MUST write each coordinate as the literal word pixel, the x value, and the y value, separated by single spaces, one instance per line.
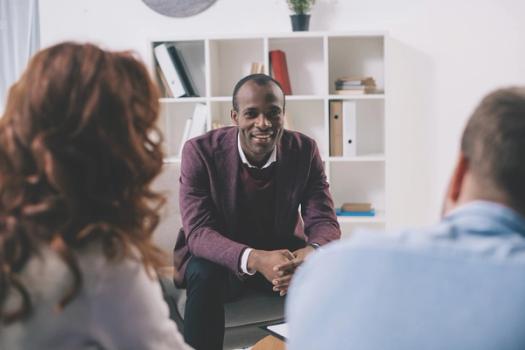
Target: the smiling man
pixel 241 188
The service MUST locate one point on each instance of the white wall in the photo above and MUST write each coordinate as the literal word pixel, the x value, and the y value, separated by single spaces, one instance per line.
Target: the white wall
pixel 445 55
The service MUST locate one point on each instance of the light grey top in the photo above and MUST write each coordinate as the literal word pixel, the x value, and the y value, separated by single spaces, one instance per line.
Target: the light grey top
pixel 456 285
pixel 119 307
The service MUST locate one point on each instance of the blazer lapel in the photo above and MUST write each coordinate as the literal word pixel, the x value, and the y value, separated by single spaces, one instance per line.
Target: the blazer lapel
pixel 227 160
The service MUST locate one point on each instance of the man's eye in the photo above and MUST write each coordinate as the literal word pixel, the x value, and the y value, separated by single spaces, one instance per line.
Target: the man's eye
pixel 251 114
pixel 274 114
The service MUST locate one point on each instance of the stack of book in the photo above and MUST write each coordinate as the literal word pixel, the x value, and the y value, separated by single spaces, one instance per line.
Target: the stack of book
pixel 356 209
pixel 350 86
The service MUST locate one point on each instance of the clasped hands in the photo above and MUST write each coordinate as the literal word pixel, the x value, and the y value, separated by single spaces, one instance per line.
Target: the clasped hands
pixel 278 266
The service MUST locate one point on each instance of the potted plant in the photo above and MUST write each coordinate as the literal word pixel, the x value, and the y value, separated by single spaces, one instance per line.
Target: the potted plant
pixel 301 16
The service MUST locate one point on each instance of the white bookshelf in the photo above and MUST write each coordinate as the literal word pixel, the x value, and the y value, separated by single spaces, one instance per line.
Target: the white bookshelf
pixel 315 60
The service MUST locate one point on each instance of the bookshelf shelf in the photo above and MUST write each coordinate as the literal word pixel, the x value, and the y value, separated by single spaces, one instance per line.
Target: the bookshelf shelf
pixel 182 100
pixel 303 97
pixel 357 97
pixel 221 99
pixel 315 60
pixel 379 218
pixel 364 158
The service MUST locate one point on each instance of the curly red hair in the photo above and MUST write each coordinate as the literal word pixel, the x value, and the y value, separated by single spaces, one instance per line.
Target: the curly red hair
pixel 78 152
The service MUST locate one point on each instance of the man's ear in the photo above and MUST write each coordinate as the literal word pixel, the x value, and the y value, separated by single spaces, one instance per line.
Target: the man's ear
pixel 234 116
pixel 456 185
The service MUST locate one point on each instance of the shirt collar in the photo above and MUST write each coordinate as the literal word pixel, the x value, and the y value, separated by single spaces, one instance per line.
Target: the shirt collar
pixel 272 159
pixel 489 217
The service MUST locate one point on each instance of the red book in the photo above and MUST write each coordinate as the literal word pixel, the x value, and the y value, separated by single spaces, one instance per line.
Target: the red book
pixel 280 70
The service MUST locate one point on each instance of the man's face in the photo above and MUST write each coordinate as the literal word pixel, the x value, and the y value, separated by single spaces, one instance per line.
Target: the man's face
pixel 259 118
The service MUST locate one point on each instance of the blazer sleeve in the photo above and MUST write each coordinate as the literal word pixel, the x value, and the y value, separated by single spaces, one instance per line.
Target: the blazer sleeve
pixel 317 206
pixel 199 213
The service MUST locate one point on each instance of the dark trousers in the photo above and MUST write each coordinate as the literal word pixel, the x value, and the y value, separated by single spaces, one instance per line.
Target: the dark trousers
pixel 208 287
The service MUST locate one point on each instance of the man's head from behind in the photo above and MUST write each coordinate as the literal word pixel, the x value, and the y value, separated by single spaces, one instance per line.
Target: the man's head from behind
pixel 492 161
pixel 258 111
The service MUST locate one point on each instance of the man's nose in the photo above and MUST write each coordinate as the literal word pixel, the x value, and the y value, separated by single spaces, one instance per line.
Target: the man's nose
pixel 263 122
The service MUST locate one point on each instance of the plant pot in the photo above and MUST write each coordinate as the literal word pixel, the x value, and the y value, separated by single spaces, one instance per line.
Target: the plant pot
pixel 300 22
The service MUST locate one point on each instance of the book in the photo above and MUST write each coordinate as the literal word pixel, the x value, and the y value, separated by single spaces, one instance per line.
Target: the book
pixel 350 86
pixel 168 71
pixel 339 212
pixel 356 207
pixel 349 129
pixel 336 128
pixel 257 68
pixel 360 91
pixel 365 81
pixel 182 71
pixel 279 70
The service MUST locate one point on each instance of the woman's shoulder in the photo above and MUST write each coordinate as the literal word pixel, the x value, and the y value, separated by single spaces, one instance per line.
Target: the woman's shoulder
pixel 96 267
pixel 47 275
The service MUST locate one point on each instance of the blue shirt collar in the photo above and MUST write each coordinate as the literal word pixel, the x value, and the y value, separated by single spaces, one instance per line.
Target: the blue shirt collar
pixel 490 218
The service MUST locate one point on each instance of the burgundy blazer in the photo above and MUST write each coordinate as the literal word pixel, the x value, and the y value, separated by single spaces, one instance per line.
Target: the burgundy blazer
pixel 209 184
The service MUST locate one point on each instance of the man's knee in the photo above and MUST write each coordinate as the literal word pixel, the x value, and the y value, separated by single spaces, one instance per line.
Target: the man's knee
pixel 202 272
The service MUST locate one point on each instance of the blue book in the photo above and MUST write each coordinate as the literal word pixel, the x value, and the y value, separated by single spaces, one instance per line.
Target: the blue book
pixel 339 212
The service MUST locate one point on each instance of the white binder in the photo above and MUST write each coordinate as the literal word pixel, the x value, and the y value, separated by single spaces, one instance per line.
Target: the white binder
pixel 349 129
pixel 168 69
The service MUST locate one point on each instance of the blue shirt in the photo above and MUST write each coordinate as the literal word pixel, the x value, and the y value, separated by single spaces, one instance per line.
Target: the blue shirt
pixel 457 285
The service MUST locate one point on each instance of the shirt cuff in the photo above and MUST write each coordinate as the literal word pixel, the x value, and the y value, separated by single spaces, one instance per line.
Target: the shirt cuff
pixel 314 245
pixel 244 261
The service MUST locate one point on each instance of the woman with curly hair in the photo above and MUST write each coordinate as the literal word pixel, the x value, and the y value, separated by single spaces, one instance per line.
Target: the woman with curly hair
pixel 78 152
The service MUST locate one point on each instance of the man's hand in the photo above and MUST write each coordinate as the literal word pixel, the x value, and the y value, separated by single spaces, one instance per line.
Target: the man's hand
pixel 264 261
pixel 286 270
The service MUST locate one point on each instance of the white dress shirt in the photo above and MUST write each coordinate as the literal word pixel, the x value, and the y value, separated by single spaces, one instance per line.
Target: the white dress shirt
pixel 272 159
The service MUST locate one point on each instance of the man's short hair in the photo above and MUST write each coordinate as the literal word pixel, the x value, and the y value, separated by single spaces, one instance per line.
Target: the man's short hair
pixel 494 144
pixel 260 79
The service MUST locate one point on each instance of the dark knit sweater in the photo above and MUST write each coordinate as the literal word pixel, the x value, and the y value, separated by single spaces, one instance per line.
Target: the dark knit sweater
pixel 256 217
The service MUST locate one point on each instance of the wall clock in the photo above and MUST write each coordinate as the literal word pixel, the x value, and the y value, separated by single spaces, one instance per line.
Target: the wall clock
pixel 178 8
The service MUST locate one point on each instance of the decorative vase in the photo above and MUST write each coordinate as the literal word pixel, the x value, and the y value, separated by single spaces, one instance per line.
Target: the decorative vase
pixel 300 22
